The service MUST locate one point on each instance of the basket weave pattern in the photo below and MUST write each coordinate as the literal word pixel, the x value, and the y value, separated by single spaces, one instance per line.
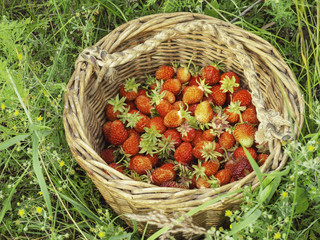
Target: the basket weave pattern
pixel 138 48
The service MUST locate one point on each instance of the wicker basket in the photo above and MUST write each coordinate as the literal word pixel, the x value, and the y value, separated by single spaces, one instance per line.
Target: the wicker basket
pixel 138 48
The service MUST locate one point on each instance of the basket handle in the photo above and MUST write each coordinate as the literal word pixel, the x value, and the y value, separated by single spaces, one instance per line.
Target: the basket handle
pixel 104 64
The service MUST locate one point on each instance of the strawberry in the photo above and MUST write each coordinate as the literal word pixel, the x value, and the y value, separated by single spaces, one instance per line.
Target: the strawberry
pixel 205 150
pixel 211 74
pixel 192 108
pixel 229 164
pixel 203 112
pixel 229 82
pixel 169 96
pixel 218 96
pixel 174 135
pixel 116 166
pixel 183 74
pixel 179 105
pixel 244 134
pixel 142 92
pixel 239 152
pixel 201 182
pixel 173 85
pixel 143 121
pixel 131 145
pixel 129 90
pixel 192 94
pixel 187 133
pixel 130 106
pixel 243 96
pixel 132 132
pixel 111 114
pixel 140 164
pixel 223 176
pixel 169 166
pixel 117 134
pixel 154 159
pixel 226 140
pixel 232 117
pixel 211 167
pixel 144 105
pixel 108 155
pixel 208 135
pixel 157 122
pixel 173 184
pixel 220 151
pixel 198 138
pixel 165 72
pixel 262 157
pixel 173 119
pixel 115 107
pixel 183 153
pixel 249 115
pixel 161 175
pixel 164 107
pixel 194 80
pixel 241 168
pixel 106 130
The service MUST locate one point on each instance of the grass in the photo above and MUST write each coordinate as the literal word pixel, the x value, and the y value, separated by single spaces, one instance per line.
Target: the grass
pixel 42 187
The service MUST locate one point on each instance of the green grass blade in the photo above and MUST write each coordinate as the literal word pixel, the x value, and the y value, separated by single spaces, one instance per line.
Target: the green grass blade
pixel 38 171
pixel 12 141
pixel 248 220
pixel 7 202
pixel 254 165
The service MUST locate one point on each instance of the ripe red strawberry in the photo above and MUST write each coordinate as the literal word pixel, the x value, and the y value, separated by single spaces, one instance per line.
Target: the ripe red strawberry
pixel 174 135
pixel 108 155
pixel 130 106
pixel 169 96
pixel 203 112
pixel 118 133
pixel 226 140
pixel 249 115
pixel 219 150
pixel 208 135
pixel 201 182
pixel 106 130
pixel 178 105
pixel 111 114
pixel 229 82
pixel 192 94
pixel 142 92
pixel 161 175
pixel 173 184
pixel 243 96
pixel 218 96
pixel 157 122
pixel 224 176
pixel 211 74
pixel 132 132
pixel 195 80
pixel 183 74
pixel 129 89
pixel 165 72
pixel 140 164
pixel 198 138
pixel 183 153
pixel 131 145
pixel 262 157
pixel 116 166
pixel 205 150
pixel 232 116
pixel 187 133
pixel 142 123
pixel 229 164
pixel 192 108
pixel 154 159
pixel 164 107
pixel 173 85
pixel 239 152
pixel 241 168
pixel 244 134
pixel 143 103
pixel 173 119
pixel 211 167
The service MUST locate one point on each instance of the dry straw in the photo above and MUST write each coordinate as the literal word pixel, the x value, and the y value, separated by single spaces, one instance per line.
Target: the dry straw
pixel 138 48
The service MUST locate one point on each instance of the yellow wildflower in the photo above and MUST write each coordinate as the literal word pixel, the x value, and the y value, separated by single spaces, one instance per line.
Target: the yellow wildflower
pixel 61 163
pixel 21 212
pixel 101 234
pixel 39 209
pixel 39 118
pixel 277 235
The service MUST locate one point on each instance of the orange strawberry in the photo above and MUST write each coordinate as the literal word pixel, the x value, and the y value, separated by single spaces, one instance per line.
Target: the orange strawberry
pixel 161 175
pixel 187 133
pixel 198 138
pixel 183 153
pixel 243 96
pixel 131 145
pixel 203 112
pixel 143 103
pixel 201 182
pixel 168 95
pixel 142 92
pixel 164 107
pixel 262 157
pixel 111 114
pixel 129 89
pixel 211 74
pixel 205 150
pixel 106 130
pixel 239 152
pixel 173 85
pixel 140 164
pixel 108 155
pixel 229 82
pixel 165 72
pixel 208 135
pixel 218 96
pixel 154 159
pixel 249 115
pixel 211 167
pixel 142 123
pixel 117 134
pixel 192 94
pixel 179 105
pixel 224 176
pixel 219 150
pixel 244 134
pixel 241 168
pixel 232 116
pixel 173 119
pixel 174 135
pixel 157 122
pixel 226 140
pixel 115 107
pixel 130 106
pixel 183 74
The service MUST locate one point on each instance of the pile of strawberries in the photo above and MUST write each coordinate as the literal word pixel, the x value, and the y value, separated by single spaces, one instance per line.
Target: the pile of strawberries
pixel 183 128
